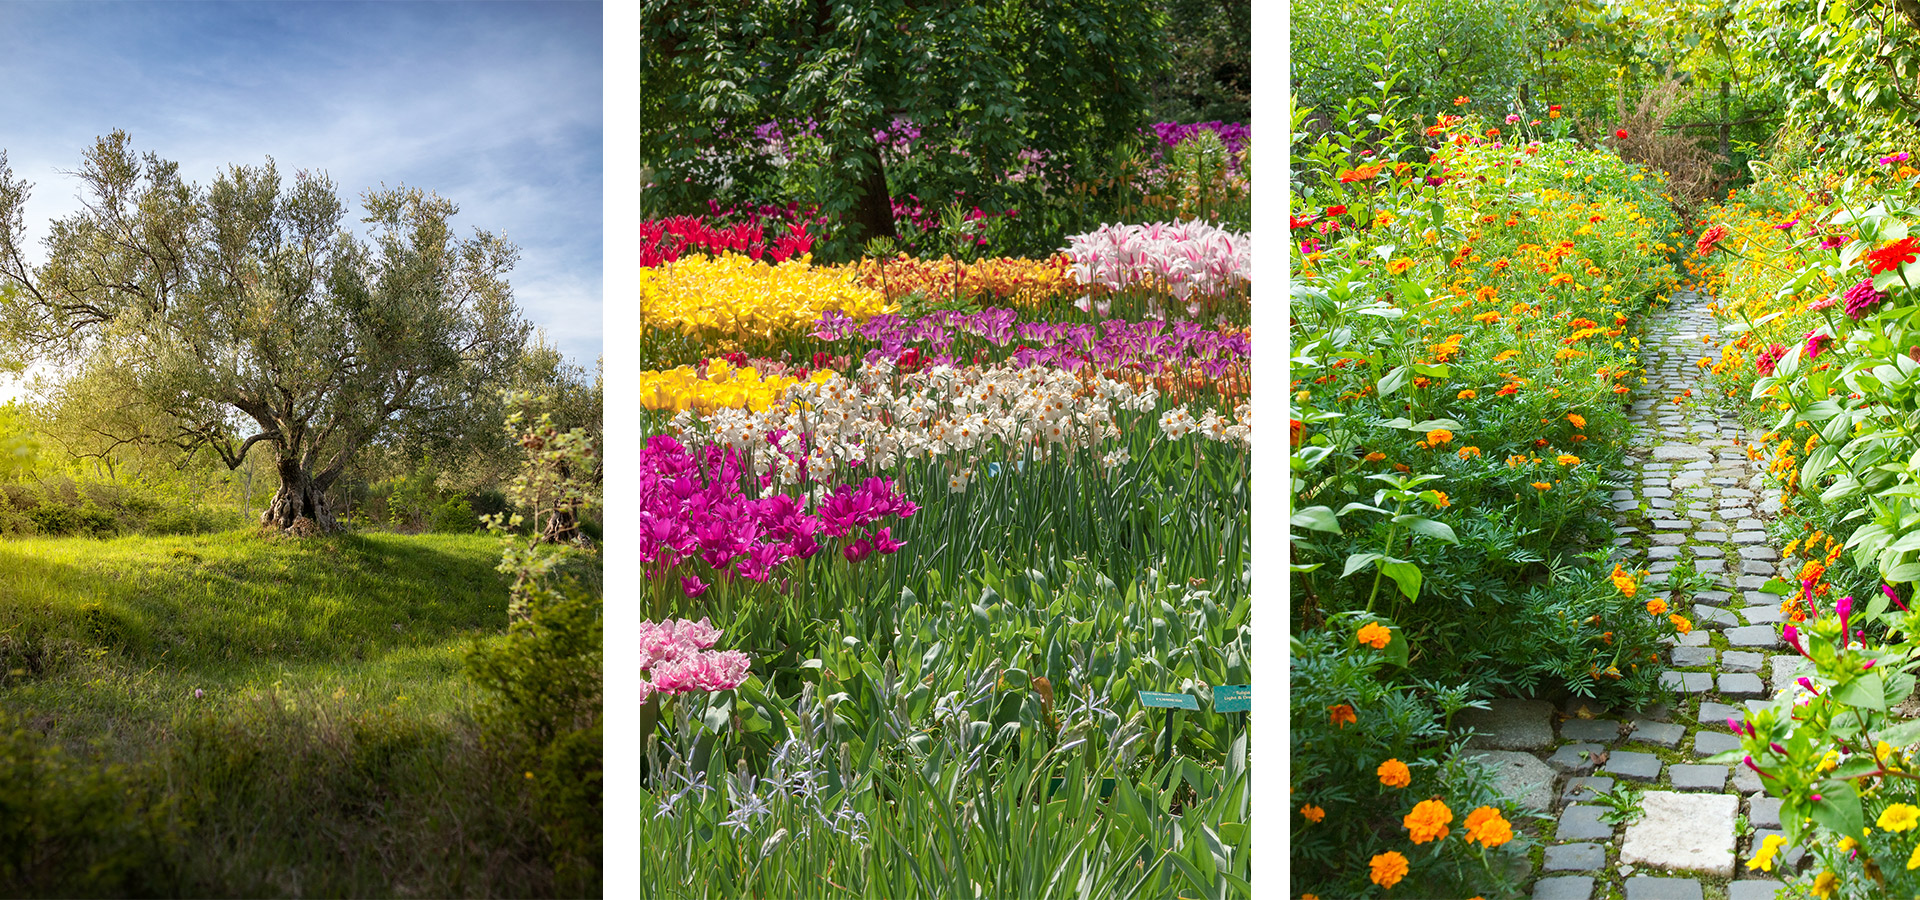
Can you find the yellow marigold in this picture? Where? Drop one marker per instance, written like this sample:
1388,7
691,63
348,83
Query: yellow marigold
1505,355
1824,883
1376,456
1312,813
1541,485
1394,774
1441,500
1567,459
1487,826
1389,868
1899,817
1578,420
1763,857
1374,635
1439,436
1469,451
1913,861
1428,821
1657,606
1399,266
1468,394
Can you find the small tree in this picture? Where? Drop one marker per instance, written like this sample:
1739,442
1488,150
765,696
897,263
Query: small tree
246,307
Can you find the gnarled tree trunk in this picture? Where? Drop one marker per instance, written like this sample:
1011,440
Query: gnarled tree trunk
301,497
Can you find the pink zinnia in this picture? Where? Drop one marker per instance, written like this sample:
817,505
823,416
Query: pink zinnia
1769,358
1817,342
1862,297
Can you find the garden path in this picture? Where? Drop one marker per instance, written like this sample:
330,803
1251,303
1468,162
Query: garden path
1695,502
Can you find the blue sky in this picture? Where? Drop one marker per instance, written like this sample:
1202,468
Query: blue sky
495,106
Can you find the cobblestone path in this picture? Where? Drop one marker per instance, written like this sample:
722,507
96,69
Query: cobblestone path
1695,500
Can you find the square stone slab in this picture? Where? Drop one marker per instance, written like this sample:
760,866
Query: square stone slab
1575,858
1754,636
1683,832
1743,686
1662,734
1698,778
1576,759
1584,788
1763,812
1745,780
1564,887
1707,743
1633,766
1715,715
1715,617
1642,887
1510,725
1582,823
1604,731
1763,615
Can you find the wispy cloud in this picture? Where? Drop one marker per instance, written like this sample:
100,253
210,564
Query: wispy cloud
496,106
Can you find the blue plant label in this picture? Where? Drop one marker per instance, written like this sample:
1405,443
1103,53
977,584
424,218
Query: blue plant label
1168,701
1232,698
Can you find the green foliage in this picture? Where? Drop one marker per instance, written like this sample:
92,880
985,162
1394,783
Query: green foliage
1334,768
454,517
1210,69
982,82
1846,70
1429,51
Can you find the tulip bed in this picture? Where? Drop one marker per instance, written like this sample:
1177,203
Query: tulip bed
1463,318
1816,270
916,534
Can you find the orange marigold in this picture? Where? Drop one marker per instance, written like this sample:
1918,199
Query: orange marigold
1439,436
1428,821
1680,623
1313,813
1578,420
1469,451
1487,826
1624,581
1389,868
1374,635
1394,773
1342,715
1657,606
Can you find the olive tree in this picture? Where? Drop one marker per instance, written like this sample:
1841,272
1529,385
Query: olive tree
247,316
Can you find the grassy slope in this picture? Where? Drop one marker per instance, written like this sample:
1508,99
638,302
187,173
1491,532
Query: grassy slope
113,637
332,752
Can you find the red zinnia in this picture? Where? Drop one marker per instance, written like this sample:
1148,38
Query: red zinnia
1339,210
1713,236
1893,255
1621,134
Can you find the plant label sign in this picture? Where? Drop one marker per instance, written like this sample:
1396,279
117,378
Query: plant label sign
1168,701
1232,698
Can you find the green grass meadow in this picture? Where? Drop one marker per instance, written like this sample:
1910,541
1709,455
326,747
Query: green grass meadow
238,715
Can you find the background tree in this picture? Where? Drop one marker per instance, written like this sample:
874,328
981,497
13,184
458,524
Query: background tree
245,307
981,81
1209,76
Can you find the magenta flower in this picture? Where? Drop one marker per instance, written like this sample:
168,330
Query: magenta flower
1791,635
1844,608
693,586
1888,590
1769,358
1861,298
1816,342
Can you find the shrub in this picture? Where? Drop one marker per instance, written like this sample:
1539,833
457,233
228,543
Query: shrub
454,517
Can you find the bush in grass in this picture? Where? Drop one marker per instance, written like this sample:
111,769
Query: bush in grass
75,829
1368,746
454,516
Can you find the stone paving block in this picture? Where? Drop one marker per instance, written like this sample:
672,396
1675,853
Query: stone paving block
1669,539
1743,686
1510,725
1749,537
1756,567
1604,731
1625,505
1754,636
1763,811
1564,887
1521,775
1643,887
1749,582
1584,857
1582,823
1680,453
1763,615
1759,553
1717,598
1705,552
1693,657
1749,524
1633,766
1662,567
1663,554
1690,832
1697,778
1672,524
1660,734
1690,639
1715,715
1710,536
1574,759
1746,780
1687,682
1708,743
1584,788
1785,668
1741,661
1710,566
1714,617
1753,889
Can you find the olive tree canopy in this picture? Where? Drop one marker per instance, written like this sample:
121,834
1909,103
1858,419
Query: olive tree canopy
248,316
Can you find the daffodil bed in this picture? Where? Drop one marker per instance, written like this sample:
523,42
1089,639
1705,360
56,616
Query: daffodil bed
1815,272
953,518
1463,346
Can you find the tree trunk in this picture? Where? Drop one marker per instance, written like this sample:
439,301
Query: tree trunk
875,210
301,505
